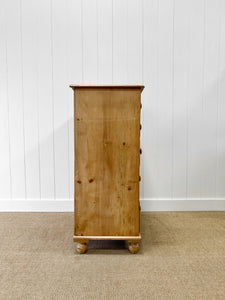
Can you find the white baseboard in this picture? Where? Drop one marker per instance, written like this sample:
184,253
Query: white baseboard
37,205
66,205
190,204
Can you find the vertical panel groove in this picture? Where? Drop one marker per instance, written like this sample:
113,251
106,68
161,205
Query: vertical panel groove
217,103
82,38
142,186
38,133
203,56
127,8
38,115
8,117
22,89
187,96
157,88
68,98
112,44
172,142
52,86
97,37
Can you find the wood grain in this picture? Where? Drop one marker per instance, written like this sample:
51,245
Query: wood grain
107,151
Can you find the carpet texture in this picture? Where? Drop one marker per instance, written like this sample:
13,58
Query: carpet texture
182,256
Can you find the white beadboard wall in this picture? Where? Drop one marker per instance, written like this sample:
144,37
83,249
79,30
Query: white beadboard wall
176,48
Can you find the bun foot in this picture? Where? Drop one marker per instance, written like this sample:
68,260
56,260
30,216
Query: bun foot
81,248
133,247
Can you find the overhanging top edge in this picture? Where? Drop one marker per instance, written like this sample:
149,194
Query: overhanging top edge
141,87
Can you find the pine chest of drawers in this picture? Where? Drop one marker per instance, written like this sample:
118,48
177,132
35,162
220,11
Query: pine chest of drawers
107,157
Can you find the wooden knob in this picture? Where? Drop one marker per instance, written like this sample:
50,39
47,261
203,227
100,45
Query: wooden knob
140,151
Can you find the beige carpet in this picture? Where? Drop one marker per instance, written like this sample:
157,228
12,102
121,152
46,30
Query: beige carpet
182,257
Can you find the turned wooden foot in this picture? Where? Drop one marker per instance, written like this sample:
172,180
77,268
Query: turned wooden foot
133,247
81,247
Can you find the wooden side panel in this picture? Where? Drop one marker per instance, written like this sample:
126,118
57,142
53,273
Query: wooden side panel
107,134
